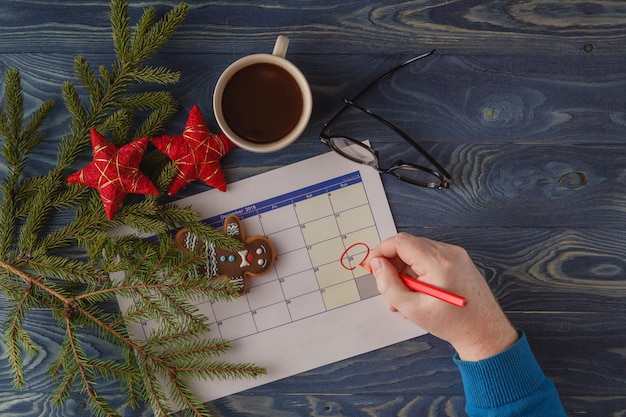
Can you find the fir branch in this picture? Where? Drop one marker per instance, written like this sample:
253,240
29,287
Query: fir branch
65,384
155,393
79,112
88,78
41,204
8,221
65,269
151,36
155,75
221,371
145,22
198,351
18,143
85,372
209,234
116,81
144,222
89,227
184,397
155,122
148,100
35,272
118,124
14,108
120,24
17,339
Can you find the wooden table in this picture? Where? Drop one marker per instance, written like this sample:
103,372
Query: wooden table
524,103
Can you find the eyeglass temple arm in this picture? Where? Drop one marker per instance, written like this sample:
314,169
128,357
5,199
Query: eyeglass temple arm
367,87
404,136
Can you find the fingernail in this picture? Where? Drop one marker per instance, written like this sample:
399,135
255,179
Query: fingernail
376,265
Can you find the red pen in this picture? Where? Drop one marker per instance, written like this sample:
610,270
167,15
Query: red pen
421,286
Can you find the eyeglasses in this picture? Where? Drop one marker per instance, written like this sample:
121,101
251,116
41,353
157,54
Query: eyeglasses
361,152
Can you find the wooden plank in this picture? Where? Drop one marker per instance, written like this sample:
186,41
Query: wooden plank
552,186
448,98
549,270
554,174
445,98
544,27
355,405
563,344
515,186
582,353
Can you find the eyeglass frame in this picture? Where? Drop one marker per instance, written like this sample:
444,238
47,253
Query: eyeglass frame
442,174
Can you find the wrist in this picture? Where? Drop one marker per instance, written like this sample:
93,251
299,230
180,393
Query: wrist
487,343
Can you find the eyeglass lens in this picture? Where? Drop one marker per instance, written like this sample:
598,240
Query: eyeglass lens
360,152
416,175
354,150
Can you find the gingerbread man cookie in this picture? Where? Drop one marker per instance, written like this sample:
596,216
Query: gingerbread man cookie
256,258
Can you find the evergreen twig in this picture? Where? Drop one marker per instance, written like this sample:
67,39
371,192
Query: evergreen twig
35,270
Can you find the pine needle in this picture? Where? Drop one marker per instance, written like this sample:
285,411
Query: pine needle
66,268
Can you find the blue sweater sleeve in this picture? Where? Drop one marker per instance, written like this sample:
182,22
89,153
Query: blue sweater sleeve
509,384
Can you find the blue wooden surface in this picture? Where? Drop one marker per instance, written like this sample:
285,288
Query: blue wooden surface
524,103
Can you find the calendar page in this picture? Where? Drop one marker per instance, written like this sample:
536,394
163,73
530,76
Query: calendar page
308,310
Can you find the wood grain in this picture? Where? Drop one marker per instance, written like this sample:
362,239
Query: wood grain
447,98
423,389
524,102
493,27
416,375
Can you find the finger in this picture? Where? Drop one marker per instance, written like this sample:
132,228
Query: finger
389,283
420,254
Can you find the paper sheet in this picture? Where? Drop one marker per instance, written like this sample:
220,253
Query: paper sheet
308,311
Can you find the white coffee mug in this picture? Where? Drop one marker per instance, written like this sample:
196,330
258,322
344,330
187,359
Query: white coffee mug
263,102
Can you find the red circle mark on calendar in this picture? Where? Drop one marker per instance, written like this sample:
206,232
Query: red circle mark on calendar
345,255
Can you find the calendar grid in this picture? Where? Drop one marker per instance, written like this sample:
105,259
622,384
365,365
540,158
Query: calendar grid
310,228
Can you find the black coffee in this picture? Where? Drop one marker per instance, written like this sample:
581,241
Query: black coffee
262,103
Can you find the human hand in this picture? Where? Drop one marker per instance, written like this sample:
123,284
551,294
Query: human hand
477,331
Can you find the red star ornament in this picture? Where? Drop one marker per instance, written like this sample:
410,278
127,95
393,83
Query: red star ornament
114,172
196,153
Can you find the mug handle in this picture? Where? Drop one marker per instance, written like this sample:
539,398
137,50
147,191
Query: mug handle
280,47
